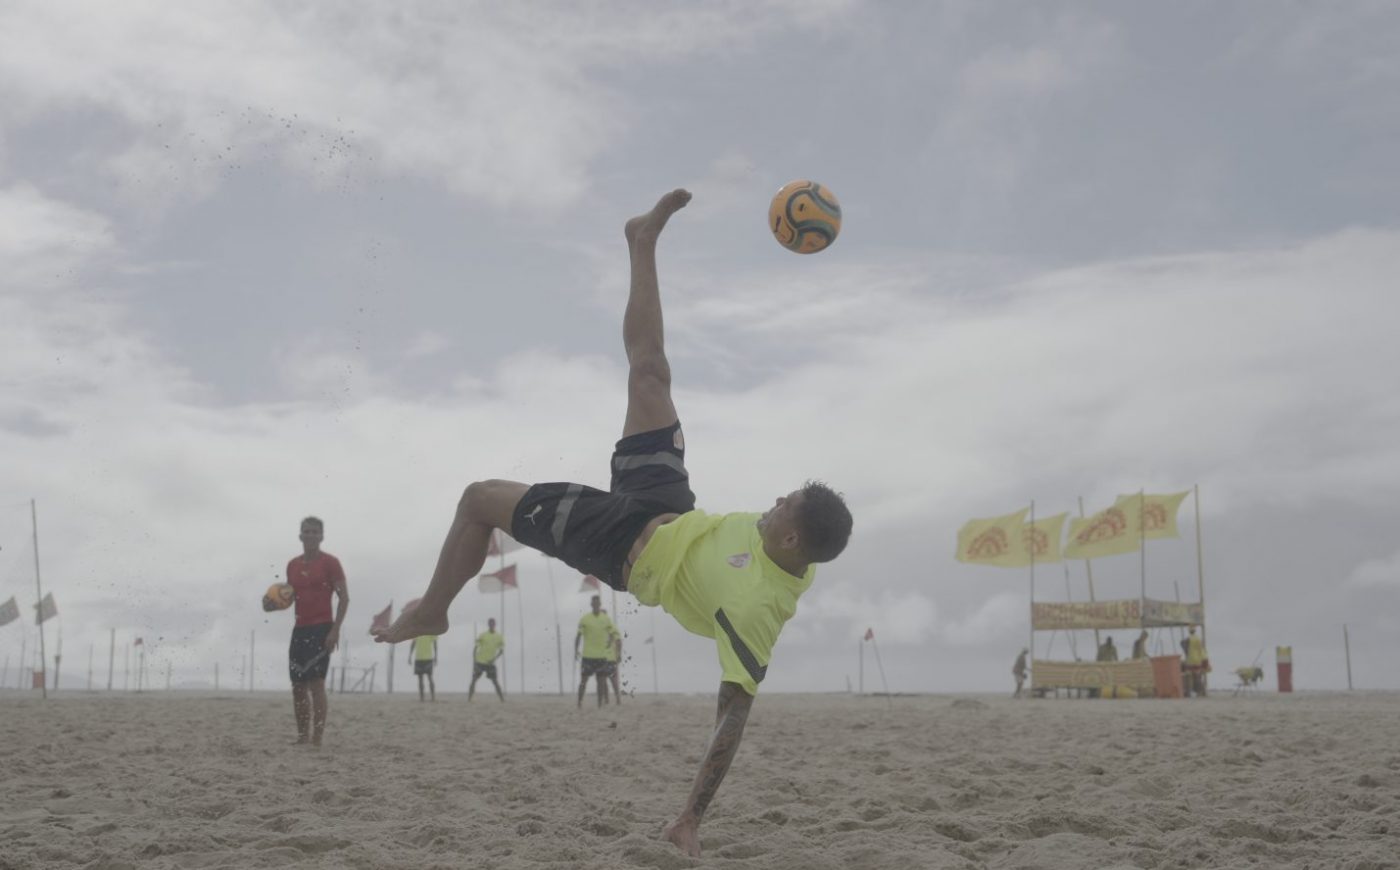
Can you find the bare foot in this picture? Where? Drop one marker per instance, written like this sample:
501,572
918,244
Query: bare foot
413,622
647,227
685,834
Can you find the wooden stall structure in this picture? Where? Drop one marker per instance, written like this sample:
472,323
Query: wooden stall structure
1158,677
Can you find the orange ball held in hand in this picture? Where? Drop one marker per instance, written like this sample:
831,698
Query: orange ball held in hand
279,596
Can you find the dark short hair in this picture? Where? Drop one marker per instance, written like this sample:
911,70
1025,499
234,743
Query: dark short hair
823,522
315,521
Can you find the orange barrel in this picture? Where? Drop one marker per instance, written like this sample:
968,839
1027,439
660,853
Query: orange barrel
1166,676
1285,668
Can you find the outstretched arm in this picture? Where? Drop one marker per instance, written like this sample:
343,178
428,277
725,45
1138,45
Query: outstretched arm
730,718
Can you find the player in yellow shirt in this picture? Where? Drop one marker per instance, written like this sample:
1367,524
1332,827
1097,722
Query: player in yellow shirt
732,577
597,632
489,647
423,654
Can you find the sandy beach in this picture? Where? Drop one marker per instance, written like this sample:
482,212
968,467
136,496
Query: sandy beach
211,781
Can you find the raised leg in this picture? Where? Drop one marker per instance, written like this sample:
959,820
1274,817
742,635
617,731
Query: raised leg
649,404
486,505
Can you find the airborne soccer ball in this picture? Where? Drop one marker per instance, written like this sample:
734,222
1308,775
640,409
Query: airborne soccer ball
279,596
804,217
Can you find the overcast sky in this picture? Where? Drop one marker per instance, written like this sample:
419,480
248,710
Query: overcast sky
258,263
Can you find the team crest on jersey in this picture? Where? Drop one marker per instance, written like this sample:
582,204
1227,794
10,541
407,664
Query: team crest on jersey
678,439
739,560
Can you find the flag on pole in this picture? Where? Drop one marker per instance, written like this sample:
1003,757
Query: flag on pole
870,634
380,621
1109,532
590,584
46,610
993,541
500,543
498,581
1158,512
9,611
1041,540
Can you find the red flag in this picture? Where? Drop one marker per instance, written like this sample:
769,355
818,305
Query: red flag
139,642
870,634
590,584
381,619
500,543
498,581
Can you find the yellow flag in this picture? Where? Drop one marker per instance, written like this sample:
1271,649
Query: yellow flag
1106,533
1042,538
993,541
1158,512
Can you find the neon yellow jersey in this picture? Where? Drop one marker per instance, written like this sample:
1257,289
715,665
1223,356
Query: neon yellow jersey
488,643
1195,651
598,631
710,572
423,648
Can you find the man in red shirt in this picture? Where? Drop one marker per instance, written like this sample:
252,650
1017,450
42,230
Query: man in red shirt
314,575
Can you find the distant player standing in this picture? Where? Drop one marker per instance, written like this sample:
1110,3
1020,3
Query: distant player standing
489,647
597,632
315,575
423,655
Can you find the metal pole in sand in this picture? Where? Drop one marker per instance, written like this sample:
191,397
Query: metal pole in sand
34,524
1200,564
111,658
876,645
1030,628
558,632
1089,570
1346,642
520,620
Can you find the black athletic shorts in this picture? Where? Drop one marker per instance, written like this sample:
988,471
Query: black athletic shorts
592,530
422,667
489,670
307,657
597,666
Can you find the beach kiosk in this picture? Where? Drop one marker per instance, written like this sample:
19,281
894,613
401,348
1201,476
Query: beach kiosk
1158,676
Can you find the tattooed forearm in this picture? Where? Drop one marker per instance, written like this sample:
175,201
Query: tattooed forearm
733,713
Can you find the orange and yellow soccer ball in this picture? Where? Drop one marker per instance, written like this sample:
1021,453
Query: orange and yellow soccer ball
804,217
279,596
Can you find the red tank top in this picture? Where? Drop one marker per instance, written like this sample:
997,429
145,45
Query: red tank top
314,579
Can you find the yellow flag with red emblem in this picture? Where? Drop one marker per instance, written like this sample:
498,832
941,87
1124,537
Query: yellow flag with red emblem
1109,532
993,541
1158,512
